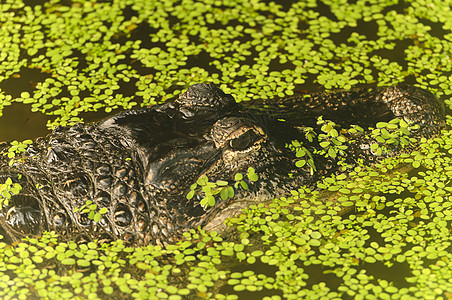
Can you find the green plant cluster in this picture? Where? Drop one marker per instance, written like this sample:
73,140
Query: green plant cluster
395,242
330,140
387,138
17,148
208,190
396,132
402,223
104,56
303,153
91,209
8,187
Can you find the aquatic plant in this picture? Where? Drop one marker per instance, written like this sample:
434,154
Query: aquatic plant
395,242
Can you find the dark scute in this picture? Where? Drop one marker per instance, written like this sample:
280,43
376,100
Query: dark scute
105,238
121,173
59,155
82,238
142,224
84,219
120,189
104,182
136,200
32,150
128,238
103,169
59,219
25,216
122,216
103,199
84,137
77,184
87,163
75,130
90,145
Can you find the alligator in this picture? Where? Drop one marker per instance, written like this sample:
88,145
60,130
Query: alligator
140,164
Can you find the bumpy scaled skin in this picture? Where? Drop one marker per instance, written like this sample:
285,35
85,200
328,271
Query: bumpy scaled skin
141,163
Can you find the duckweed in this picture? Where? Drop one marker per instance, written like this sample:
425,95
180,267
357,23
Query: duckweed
374,232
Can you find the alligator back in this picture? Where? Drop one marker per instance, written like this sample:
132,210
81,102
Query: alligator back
61,172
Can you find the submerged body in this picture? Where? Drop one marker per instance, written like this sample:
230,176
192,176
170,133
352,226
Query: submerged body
140,164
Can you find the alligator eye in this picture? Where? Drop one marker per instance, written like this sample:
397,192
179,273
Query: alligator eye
244,141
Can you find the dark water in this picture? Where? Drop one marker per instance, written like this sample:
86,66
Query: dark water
19,123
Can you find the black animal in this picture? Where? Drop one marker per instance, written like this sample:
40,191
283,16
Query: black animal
140,164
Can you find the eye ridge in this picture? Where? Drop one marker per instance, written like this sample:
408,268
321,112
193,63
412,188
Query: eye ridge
244,141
